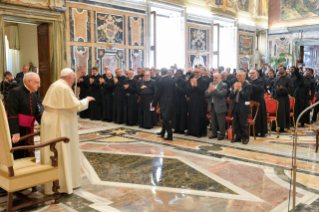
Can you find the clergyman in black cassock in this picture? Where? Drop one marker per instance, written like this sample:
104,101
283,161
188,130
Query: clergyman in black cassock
147,118
165,95
107,97
257,95
84,83
304,93
95,92
179,120
197,107
23,104
282,88
119,93
240,96
130,100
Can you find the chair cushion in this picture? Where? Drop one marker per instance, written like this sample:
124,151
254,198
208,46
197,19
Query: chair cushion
249,120
271,117
208,116
228,118
25,166
291,114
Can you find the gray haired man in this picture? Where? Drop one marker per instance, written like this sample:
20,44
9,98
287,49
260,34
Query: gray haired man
217,92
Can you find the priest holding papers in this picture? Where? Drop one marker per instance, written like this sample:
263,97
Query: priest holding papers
59,119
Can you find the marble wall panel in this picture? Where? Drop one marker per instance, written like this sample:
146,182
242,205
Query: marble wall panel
245,62
198,39
136,59
80,25
114,58
135,31
81,58
110,28
197,59
282,45
246,44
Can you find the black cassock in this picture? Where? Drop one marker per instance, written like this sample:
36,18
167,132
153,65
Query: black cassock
257,95
119,93
21,101
107,99
304,85
146,117
95,91
130,102
197,108
179,120
283,114
269,84
84,92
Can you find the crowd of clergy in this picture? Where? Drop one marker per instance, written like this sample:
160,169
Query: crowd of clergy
125,98
180,100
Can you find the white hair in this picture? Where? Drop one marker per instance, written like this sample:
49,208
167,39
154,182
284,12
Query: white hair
243,72
28,76
224,72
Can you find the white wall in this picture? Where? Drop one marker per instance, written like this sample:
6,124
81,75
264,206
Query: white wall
28,45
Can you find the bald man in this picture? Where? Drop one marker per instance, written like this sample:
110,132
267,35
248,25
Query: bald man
23,107
24,71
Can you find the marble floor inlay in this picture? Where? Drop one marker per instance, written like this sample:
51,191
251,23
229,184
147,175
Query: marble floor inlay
154,171
130,169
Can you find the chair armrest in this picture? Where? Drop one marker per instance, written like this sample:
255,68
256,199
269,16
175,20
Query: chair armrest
54,141
52,144
29,135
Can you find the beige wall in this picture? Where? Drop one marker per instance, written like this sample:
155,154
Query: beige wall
28,45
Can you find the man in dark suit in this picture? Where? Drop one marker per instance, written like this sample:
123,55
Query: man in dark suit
84,83
241,107
223,77
217,92
24,71
165,94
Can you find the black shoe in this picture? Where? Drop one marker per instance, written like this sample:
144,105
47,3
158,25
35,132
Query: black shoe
212,136
221,138
236,140
245,141
160,134
168,139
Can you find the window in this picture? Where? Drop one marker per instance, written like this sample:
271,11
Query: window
12,58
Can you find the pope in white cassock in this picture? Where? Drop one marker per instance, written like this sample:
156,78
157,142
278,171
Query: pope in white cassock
59,119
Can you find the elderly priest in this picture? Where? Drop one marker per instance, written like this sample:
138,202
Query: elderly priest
59,119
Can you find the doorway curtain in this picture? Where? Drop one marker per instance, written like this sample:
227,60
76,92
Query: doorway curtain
3,64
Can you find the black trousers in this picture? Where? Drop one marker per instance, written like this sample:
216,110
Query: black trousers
217,122
167,127
240,123
315,112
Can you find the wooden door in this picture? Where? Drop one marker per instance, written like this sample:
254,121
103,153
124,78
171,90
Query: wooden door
44,58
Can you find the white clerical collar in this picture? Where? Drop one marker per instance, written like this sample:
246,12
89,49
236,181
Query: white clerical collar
86,75
27,88
95,74
147,80
131,78
164,76
110,77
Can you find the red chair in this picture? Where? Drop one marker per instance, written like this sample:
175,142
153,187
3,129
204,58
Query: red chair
292,109
272,108
250,120
267,96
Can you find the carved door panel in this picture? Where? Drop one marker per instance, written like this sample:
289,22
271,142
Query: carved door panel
44,58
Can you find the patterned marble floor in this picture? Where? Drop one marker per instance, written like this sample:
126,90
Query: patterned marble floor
131,169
